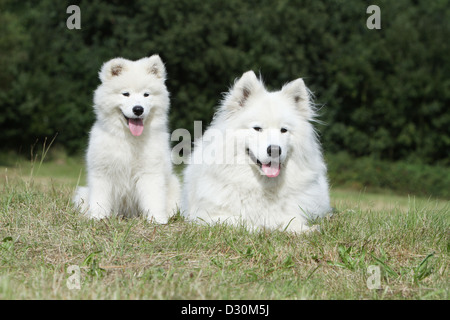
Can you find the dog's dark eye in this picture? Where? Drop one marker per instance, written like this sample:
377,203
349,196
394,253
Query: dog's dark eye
259,129
283,130
146,94
126,94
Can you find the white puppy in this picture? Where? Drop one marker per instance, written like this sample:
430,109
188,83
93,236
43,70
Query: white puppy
259,163
129,170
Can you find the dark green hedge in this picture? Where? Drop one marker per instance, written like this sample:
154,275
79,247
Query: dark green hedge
384,93
400,177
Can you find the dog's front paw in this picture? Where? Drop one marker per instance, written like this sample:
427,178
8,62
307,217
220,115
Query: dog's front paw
158,220
304,229
93,215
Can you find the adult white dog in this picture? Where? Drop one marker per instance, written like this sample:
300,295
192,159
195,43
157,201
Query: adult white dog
259,164
129,171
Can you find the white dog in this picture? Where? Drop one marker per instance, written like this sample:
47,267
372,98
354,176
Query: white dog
259,164
129,171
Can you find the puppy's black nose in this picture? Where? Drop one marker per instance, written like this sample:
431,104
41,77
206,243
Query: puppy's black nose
138,110
276,150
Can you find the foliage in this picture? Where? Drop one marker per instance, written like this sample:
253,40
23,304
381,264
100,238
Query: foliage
401,177
42,236
385,93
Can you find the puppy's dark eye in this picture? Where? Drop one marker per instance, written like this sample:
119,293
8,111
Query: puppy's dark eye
126,94
146,95
259,129
283,130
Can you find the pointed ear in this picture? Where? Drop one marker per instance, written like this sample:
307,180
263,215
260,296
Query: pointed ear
112,68
297,90
300,95
246,86
156,67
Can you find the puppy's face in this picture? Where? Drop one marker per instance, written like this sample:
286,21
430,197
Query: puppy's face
267,128
129,92
266,121
135,107
268,147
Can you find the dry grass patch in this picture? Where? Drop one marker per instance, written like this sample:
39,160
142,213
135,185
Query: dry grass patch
41,235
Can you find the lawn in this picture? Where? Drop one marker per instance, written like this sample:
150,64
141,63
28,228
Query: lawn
42,238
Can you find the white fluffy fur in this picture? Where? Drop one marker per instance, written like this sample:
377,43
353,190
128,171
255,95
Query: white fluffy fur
223,183
130,175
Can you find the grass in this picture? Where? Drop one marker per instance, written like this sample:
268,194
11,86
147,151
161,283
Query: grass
42,236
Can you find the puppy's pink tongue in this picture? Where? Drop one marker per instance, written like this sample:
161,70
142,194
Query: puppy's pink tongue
136,126
271,170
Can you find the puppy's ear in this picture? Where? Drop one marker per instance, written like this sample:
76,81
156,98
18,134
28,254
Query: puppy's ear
112,68
300,95
155,67
244,88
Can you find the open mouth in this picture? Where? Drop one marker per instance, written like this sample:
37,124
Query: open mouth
271,169
136,125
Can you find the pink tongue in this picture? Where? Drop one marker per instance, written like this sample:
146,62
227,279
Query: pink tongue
271,170
136,126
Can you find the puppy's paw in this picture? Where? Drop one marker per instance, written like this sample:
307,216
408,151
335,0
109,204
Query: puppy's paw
159,219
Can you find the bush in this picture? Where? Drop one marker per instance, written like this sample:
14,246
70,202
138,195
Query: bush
385,92
400,177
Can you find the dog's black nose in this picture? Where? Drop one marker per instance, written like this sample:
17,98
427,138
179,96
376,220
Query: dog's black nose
138,110
276,150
